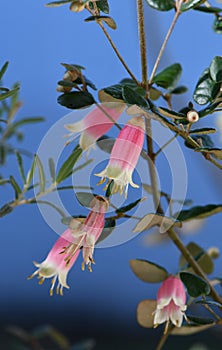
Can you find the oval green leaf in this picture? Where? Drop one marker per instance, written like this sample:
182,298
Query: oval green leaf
145,313
216,69
161,5
196,286
148,271
76,99
199,212
168,77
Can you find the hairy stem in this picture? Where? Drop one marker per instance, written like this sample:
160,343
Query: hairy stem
142,40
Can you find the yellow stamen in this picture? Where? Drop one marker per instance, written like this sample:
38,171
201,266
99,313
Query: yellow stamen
42,279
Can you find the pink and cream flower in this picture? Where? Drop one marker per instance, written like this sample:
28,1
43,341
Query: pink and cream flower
171,303
96,123
64,253
124,156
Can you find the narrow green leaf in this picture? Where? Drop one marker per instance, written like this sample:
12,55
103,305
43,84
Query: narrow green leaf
129,206
148,271
115,91
195,285
3,69
68,165
205,140
107,19
131,97
105,143
179,90
76,99
209,9
8,94
215,152
30,174
13,127
161,5
199,212
190,329
20,165
88,82
171,114
209,109
60,211
73,66
203,131
52,169
41,172
85,198
216,69
15,185
191,4
206,89
4,181
168,77
5,210
58,3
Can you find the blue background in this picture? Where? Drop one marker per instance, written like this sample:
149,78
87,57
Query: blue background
35,40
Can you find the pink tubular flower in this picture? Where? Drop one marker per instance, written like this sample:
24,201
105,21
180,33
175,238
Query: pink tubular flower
96,123
124,156
55,266
89,233
171,303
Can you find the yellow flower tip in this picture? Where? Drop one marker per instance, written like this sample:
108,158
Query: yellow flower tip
30,277
89,267
51,292
83,266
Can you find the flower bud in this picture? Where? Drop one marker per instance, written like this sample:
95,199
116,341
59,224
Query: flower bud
76,6
61,88
192,116
71,75
213,252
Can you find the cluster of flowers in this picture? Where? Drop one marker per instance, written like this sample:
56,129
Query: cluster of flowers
83,233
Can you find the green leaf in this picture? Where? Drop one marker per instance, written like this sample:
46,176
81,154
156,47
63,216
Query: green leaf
215,152
115,91
88,82
190,5
200,320
109,190
41,173
208,9
205,139
109,226
68,165
52,169
85,198
20,165
217,25
3,69
203,131
196,286
129,206
145,313
168,77
150,220
199,212
171,114
179,90
107,19
5,210
76,99
73,66
58,3
206,89
30,174
147,271
60,211
15,185
131,97
209,109
4,181
202,257
161,5
105,143
216,69
8,94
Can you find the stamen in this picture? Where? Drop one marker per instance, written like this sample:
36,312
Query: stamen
101,181
83,266
53,285
166,327
33,275
89,267
42,279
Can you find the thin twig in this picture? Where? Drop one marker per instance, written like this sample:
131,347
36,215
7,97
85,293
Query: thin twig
142,39
176,16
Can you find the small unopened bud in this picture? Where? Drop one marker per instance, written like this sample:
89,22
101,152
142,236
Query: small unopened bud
213,252
192,116
71,75
76,6
61,88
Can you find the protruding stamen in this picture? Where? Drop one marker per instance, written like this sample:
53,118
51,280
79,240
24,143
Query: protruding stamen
83,266
53,285
42,279
33,275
